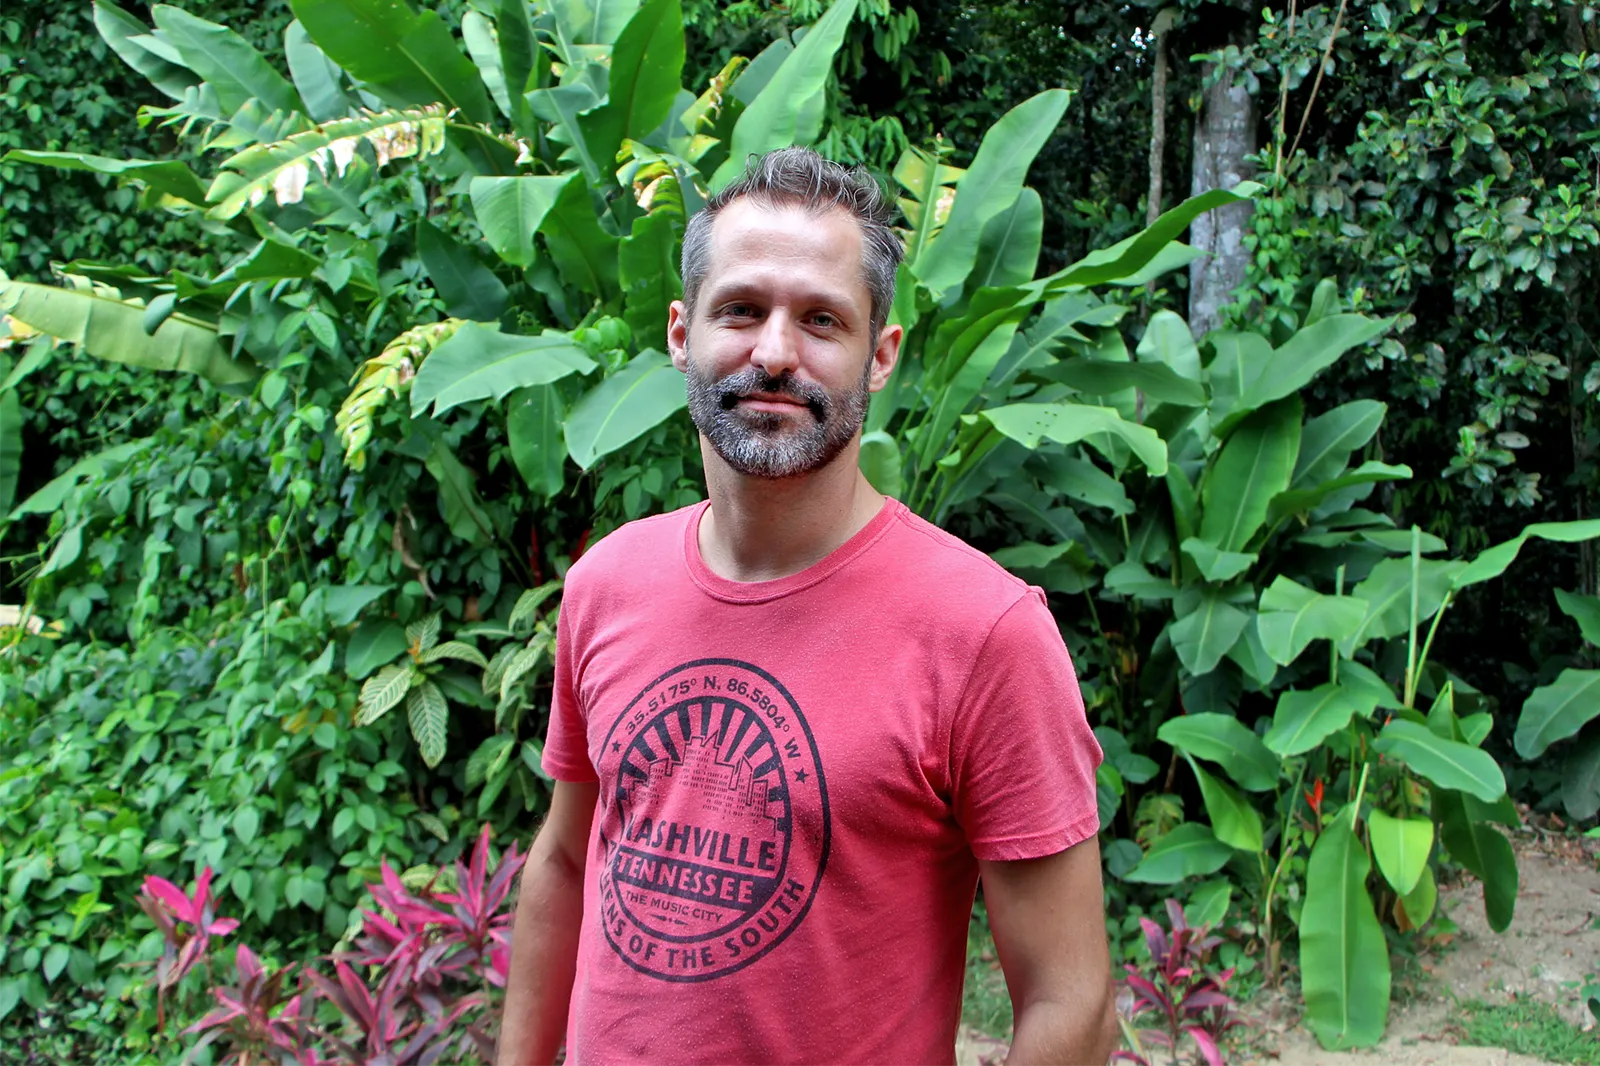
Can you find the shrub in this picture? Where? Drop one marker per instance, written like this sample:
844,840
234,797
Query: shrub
421,966
1186,997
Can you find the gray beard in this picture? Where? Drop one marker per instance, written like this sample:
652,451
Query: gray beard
768,445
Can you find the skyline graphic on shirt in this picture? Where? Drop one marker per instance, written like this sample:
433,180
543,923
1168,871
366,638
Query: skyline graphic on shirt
708,861
725,787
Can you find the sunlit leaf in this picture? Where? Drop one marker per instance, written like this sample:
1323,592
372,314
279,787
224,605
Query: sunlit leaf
1305,719
1189,850
405,56
785,111
479,362
1255,465
1069,423
1447,763
989,187
1401,846
226,61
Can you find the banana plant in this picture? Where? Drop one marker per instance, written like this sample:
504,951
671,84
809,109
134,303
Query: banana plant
570,154
1281,633
969,377
468,235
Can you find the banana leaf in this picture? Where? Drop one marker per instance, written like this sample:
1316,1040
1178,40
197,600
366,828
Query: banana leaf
646,73
169,176
407,58
113,330
990,186
632,401
1344,960
788,110
227,62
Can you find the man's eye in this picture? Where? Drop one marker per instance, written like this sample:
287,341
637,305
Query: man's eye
824,320
739,310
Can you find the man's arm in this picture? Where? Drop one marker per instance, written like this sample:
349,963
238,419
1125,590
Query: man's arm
1048,917
544,939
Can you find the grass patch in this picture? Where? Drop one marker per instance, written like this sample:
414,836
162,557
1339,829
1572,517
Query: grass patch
1528,1027
985,1004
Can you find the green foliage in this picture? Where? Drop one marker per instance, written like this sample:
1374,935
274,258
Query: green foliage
1226,554
308,537
248,566
103,325
1453,181
168,757
1344,962
64,89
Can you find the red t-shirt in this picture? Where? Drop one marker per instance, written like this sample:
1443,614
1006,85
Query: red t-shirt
797,778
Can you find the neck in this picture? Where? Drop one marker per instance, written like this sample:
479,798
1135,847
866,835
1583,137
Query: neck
759,529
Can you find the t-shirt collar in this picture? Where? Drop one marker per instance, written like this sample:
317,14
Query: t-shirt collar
722,588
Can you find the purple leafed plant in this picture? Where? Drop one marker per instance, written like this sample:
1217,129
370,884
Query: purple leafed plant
187,924
1184,995
397,1024
423,964
245,1017
458,934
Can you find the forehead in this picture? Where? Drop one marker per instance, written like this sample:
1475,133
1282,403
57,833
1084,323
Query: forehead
756,244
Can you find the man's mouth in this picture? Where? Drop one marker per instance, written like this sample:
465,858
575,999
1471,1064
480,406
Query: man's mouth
771,401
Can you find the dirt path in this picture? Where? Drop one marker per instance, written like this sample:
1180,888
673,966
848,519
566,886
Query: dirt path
1544,955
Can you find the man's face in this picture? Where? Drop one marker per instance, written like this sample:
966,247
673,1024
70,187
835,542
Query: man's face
779,358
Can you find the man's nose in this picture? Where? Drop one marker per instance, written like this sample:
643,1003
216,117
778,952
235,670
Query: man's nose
777,348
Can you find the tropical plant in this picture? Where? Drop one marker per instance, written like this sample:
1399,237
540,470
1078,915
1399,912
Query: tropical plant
500,226
1225,535
123,764
171,908
426,709
420,965
965,290
236,544
1186,996
565,144
1223,575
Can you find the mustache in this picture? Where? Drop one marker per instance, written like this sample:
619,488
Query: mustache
751,380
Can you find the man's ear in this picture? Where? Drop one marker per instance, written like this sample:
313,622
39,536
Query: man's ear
885,356
678,334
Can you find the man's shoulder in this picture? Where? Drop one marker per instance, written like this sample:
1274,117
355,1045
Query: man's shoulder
946,570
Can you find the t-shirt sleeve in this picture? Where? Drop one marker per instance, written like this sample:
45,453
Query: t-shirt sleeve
1022,755
566,744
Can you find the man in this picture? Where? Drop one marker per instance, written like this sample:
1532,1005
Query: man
792,726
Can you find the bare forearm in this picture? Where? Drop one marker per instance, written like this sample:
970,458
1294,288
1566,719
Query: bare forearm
1081,1033
544,954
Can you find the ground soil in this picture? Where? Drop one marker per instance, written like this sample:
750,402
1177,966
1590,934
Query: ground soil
1553,942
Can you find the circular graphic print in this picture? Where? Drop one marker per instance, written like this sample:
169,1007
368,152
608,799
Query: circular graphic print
716,829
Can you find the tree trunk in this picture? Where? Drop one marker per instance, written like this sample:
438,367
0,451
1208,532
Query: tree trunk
1223,136
1158,130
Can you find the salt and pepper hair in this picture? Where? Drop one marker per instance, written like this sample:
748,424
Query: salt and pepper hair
799,177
